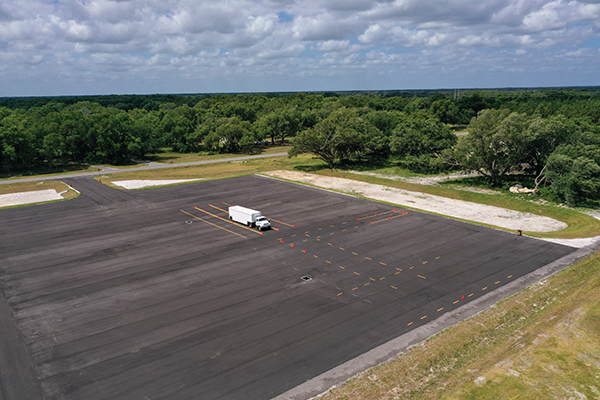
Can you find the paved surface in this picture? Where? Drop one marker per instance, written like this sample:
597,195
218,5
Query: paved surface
108,170
136,295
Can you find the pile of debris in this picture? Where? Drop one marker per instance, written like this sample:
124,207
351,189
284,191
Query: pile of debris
520,189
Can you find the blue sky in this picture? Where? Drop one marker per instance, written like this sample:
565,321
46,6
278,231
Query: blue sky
173,46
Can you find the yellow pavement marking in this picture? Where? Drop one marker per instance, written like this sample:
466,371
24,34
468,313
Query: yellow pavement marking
319,229
356,273
497,283
484,288
395,287
382,278
344,230
227,220
355,227
388,218
342,267
329,244
398,272
368,258
508,277
294,235
344,223
513,398
210,223
218,208
318,240
456,301
440,309
372,279
331,233
315,256
409,324
367,284
424,262
382,263
339,294
411,267
341,248
354,288
278,221
355,253
471,295
399,269
305,240
328,262
307,235
437,257
421,276
424,316
332,226
227,204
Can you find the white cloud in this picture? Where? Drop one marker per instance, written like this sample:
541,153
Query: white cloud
315,42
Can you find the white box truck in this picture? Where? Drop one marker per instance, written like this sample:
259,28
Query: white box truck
248,217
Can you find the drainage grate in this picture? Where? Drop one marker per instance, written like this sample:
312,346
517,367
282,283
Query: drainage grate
306,278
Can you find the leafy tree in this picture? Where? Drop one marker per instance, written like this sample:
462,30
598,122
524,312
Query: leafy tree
496,143
445,110
279,124
574,170
343,135
228,134
418,140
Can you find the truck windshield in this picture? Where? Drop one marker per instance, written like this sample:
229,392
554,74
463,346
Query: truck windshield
261,219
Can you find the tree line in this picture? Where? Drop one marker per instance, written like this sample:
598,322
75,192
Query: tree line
551,135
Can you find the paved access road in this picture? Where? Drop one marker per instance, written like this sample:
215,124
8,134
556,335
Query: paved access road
148,295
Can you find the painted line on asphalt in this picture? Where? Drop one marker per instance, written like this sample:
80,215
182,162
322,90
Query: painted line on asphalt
210,223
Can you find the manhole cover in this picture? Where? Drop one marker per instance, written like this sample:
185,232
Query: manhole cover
306,278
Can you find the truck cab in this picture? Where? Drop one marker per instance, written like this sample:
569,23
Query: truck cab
262,223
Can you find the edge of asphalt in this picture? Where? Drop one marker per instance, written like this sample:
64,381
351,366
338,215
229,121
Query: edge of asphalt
320,385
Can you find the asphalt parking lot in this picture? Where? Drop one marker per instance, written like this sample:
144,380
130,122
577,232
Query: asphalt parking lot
152,294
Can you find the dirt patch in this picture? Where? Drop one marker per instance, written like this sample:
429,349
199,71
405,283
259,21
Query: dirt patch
461,209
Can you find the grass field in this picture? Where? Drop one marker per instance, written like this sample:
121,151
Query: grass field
542,343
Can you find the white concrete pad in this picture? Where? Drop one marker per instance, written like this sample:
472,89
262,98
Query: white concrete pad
140,183
38,196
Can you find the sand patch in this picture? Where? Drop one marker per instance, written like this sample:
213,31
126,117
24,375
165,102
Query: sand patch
139,183
461,209
37,196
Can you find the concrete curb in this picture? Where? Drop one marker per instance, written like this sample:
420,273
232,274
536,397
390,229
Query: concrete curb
321,384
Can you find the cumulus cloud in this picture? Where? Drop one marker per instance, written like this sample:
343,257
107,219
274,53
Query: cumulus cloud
176,41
